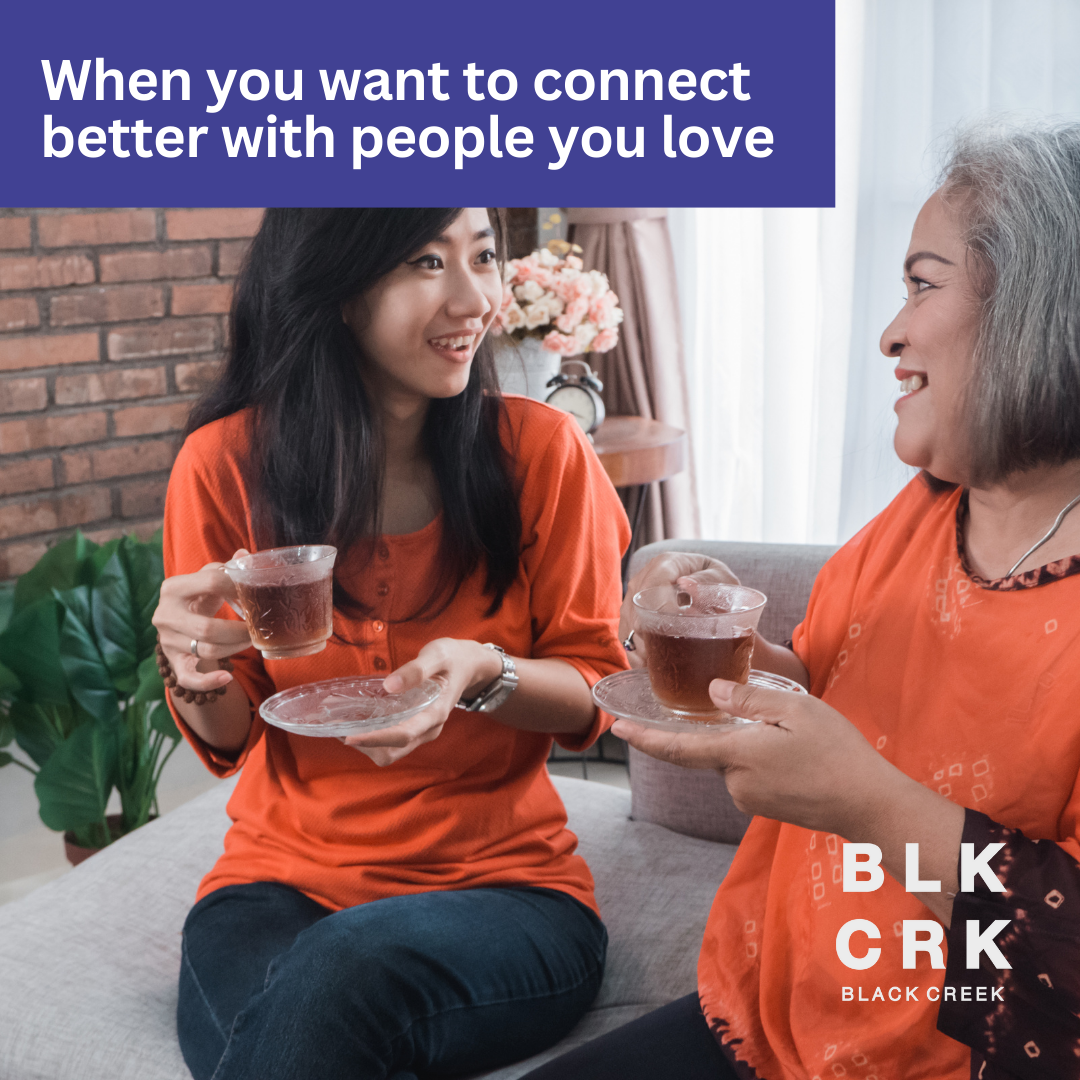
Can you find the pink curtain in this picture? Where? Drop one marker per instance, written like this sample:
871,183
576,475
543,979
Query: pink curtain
644,374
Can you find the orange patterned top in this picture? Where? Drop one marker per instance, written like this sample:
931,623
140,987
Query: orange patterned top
475,807
972,690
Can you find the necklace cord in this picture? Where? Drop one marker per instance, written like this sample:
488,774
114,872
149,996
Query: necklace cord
1039,543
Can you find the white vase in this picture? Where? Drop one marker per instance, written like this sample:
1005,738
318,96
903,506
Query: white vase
524,367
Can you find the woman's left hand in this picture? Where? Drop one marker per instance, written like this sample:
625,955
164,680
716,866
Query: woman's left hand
462,668
804,763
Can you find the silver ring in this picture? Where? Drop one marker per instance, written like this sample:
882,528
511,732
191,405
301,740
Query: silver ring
628,644
194,647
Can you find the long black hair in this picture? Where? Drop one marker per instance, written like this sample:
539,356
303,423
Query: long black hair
315,473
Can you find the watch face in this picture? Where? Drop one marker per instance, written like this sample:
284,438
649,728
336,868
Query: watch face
578,402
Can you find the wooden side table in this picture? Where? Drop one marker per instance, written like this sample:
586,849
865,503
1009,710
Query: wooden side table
636,452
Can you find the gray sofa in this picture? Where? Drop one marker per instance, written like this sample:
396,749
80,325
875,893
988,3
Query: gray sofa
89,962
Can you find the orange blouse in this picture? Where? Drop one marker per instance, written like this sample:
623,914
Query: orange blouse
970,690
475,807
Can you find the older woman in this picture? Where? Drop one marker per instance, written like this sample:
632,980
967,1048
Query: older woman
940,649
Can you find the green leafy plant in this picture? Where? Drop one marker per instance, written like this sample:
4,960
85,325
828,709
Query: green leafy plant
80,691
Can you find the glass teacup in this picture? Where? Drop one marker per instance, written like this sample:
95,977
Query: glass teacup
694,636
286,596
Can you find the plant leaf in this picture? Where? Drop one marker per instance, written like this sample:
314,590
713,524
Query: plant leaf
7,603
9,682
146,572
151,687
61,567
87,674
100,557
162,720
73,785
40,729
151,694
114,623
5,758
30,647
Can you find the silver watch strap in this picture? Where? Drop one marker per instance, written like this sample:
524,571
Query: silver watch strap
498,690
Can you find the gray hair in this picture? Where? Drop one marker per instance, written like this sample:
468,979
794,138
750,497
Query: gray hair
1018,194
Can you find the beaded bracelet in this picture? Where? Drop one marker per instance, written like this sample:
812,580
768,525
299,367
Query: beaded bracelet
168,676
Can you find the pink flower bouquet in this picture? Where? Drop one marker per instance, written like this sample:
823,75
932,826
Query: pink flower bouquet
548,295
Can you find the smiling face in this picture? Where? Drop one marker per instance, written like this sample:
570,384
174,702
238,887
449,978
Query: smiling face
418,327
933,339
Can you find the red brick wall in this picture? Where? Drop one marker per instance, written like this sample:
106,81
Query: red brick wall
111,322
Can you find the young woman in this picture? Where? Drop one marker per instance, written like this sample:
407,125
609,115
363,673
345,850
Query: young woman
406,901
940,647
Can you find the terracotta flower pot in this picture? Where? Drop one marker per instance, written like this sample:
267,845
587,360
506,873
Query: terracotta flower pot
76,853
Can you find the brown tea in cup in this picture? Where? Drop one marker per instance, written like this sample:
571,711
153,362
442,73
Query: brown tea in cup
694,637
286,620
286,598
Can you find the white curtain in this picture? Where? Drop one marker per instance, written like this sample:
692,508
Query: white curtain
783,309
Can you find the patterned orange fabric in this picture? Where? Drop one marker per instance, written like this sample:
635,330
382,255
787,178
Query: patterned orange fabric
475,807
972,691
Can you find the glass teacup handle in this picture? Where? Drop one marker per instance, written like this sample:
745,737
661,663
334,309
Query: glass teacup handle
232,603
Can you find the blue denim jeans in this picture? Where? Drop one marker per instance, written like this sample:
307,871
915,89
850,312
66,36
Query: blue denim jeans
273,985
671,1042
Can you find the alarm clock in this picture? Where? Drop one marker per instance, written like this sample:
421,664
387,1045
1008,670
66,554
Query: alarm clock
579,395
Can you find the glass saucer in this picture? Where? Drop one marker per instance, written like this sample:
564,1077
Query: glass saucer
337,707
628,694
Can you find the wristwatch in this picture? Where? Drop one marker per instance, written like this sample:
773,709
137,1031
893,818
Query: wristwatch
496,691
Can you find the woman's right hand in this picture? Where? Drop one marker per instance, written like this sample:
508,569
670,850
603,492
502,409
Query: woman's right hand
669,568
185,613
682,568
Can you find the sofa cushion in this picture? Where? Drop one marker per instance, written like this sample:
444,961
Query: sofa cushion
697,803
89,962
693,802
